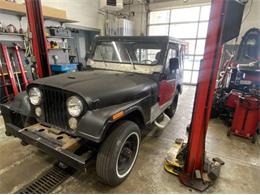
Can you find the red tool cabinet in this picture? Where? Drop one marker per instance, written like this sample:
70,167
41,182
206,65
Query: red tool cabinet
246,117
233,97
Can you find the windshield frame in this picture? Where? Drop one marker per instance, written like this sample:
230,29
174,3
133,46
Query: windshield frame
161,60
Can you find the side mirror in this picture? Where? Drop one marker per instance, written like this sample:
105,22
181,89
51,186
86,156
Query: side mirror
174,64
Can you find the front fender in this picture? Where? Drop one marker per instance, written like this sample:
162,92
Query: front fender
17,112
94,123
20,104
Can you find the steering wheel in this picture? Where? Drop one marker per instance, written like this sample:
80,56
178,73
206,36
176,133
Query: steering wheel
143,61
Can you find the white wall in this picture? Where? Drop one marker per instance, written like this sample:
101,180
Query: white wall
84,11
135,12
139,17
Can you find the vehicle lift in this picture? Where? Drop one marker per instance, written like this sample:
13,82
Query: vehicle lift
188,160
39,42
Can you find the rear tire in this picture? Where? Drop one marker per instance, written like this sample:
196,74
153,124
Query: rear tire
118,153
229,133
173,107
254,138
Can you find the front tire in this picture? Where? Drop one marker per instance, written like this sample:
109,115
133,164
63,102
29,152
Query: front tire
118,153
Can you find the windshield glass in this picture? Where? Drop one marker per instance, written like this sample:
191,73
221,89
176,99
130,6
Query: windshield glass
128,52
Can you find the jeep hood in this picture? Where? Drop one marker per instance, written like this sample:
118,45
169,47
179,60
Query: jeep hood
105,87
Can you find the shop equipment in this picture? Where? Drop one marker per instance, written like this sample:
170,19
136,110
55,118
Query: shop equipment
194,169
241,73
9,69
63,68
246,117
39,42
3,82
21,66
16,74
13,72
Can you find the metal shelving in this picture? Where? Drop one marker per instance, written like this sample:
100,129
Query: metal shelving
12,34
59,37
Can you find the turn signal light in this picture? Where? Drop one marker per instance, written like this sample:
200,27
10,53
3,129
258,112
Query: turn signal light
118,115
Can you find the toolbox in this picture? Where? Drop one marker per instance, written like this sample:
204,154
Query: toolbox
246,117
232,98
63,68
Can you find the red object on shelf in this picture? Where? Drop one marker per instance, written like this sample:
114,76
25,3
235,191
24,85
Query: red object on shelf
232,98
246,117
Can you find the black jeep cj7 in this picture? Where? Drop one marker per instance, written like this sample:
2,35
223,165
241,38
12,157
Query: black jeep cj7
130,83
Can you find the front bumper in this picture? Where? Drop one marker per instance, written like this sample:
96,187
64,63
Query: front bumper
58,145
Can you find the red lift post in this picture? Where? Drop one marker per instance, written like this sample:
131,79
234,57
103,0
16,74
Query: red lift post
39,42
196,170
205,89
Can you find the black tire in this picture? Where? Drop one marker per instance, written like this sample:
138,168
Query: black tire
229,133
118,145
173,107
254,138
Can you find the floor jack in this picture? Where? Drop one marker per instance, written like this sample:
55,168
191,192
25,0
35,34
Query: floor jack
188,160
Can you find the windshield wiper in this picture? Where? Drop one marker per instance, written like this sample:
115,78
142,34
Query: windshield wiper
132,63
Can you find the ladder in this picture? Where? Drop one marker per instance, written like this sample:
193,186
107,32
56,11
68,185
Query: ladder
4,84
13,76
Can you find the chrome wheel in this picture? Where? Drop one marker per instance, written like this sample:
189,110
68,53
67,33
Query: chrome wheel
127,155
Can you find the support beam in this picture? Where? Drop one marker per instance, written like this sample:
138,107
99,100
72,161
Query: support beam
39,42
205,89
224,25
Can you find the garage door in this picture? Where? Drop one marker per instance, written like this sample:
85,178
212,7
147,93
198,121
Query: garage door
189,24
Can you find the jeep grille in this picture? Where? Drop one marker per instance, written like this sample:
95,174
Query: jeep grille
54,105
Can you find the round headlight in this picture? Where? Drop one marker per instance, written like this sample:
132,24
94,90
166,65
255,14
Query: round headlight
38,111
73,123
74,106
35,96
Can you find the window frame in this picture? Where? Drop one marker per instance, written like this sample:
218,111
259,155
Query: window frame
197,21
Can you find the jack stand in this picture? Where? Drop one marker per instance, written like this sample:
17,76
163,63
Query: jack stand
174,164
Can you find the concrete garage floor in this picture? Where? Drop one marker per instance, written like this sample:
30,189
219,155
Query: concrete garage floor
241,174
